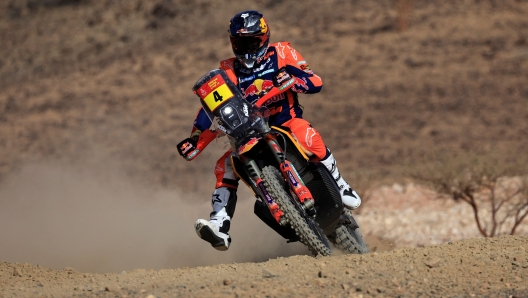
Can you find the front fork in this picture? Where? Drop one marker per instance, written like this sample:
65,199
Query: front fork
291,175
255,175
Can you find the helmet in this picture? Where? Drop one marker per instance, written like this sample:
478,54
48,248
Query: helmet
249,34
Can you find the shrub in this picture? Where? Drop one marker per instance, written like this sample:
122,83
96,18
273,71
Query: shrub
496,191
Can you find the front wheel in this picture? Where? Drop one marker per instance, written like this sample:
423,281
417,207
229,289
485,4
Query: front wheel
305,227
348,238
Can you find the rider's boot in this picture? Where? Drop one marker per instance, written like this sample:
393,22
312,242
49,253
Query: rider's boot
350,198
216,230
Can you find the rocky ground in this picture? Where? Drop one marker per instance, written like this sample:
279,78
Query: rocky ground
94,95
468,268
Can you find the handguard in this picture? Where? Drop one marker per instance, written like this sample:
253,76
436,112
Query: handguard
190,151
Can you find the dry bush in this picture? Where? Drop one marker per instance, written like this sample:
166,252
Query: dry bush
497,192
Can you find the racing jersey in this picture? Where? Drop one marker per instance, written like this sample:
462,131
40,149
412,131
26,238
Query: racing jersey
255,82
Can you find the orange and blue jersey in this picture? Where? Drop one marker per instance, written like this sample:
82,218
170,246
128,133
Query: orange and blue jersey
255,82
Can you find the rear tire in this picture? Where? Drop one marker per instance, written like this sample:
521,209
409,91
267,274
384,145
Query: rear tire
348,238
306,228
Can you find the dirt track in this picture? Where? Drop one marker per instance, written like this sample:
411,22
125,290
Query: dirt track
469,268
95,94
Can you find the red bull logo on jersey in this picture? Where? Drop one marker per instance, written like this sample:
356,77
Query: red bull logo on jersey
259,87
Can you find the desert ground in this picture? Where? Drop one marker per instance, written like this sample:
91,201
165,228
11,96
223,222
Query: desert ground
96,201
484,267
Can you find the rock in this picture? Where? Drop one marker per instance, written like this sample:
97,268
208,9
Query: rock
433,263
113,288
398,188
16,273
395,282
266,273
226,282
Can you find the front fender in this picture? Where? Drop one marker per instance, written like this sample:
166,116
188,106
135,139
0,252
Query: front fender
249,145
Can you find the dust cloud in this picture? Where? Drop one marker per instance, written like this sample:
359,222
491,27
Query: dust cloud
93,218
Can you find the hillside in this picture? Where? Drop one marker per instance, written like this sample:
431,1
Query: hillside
113,79
94,96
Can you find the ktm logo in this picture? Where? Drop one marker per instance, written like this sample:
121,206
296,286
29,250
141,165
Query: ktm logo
269,54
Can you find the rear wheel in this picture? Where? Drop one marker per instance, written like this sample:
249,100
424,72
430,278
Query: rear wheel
348,238
305,227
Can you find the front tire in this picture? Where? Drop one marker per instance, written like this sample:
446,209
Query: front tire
348,238
305,227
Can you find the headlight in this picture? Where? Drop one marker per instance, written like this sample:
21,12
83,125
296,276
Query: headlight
227,110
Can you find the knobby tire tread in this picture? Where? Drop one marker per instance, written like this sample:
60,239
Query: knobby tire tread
299,225
349,240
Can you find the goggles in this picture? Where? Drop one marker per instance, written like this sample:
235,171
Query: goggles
248,44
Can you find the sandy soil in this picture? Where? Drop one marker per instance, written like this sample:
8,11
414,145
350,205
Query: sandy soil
94,95
468,268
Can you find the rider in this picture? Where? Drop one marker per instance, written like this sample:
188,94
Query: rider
257,65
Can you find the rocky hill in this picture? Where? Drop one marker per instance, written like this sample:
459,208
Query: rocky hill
113,78
94,96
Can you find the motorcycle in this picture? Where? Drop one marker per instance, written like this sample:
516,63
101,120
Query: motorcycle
296,197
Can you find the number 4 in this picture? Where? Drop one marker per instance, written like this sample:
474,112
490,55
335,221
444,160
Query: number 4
217,96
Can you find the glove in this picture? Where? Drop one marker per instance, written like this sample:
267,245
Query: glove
188,148
282,79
